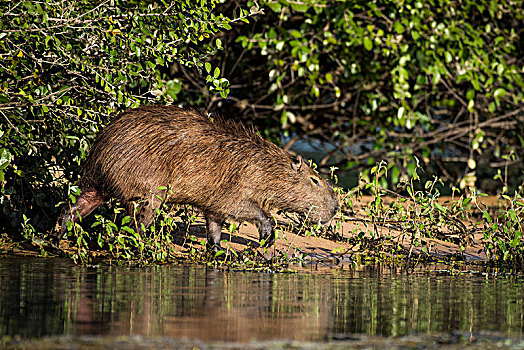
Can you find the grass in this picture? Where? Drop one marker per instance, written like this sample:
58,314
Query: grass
374,224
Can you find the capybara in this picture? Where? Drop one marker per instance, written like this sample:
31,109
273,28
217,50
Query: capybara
223,168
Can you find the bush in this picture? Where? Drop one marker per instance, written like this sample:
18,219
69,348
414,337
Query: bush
386,80
66,69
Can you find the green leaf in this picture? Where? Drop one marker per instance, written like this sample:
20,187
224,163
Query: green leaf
440,207
121,239
449,57
487,216
512,215
126,219
400,112
300,7
471,104
399,28
500,92
5,158
470,95
368,44
275,6
466,201
436,77
128,230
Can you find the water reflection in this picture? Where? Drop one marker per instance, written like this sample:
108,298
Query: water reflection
41,297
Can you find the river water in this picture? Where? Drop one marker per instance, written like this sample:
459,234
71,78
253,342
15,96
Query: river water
52,297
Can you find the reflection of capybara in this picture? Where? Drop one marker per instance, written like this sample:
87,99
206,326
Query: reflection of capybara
223,168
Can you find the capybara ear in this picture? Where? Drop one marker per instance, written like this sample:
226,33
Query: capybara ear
297,163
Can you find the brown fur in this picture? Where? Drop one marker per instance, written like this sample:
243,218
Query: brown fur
223,168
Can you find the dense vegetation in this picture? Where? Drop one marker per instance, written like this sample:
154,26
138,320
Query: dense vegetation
439,80
68,66
435,83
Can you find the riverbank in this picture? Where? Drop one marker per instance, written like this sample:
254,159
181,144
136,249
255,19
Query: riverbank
356,233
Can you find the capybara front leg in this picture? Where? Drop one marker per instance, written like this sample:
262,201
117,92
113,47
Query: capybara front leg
84,205
214,225
265,229
254,214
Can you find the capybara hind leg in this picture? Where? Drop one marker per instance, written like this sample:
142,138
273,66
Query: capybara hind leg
84,205
141,214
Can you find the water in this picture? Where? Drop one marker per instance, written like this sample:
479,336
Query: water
52,297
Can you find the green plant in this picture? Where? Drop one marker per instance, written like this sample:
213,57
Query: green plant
503,232
398,224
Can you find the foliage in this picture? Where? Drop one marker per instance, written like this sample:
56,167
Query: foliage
67,66
112,236
441,80
407,228
503,234
385,83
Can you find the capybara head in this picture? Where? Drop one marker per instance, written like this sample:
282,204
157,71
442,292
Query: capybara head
298,188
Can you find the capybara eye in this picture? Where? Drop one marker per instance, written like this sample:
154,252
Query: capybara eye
315,181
